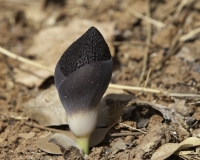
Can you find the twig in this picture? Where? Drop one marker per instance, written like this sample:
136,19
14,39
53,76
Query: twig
145,18
197,102
148,40
42,127
184,95
147,79
22,2
150,90
125,134
24,60
116,86
189,35
132,128
179,8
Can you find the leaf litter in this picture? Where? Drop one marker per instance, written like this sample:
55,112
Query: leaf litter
117,107
173,56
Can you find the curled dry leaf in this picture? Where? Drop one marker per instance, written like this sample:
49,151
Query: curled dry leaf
192,154
114,94
72,153
168,149
167,113
67,146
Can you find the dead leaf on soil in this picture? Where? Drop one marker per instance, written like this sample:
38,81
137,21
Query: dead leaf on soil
117,146
156,136
115,94
117,107
51,148
26,135
168,149
180,107
50,43
168,114
193,154
46,108
96,137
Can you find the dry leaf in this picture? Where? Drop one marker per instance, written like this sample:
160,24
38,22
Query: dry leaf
116,109
156,136
118,146
167,113
44,145
98,135
115,95
26,135
46,108
193,154
50,43
168,149
180,107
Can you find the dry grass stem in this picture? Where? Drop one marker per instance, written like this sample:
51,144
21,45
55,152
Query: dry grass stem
175,46
132,88
125,134
116,86
147,19
180,8
190,35
125,125
147,79
150,90
23,2
42,127
24,60
148,41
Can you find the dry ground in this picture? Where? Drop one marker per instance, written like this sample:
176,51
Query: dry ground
159,34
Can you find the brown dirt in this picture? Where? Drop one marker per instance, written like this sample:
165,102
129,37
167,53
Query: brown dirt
173,70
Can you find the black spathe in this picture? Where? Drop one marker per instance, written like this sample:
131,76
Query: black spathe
83,73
